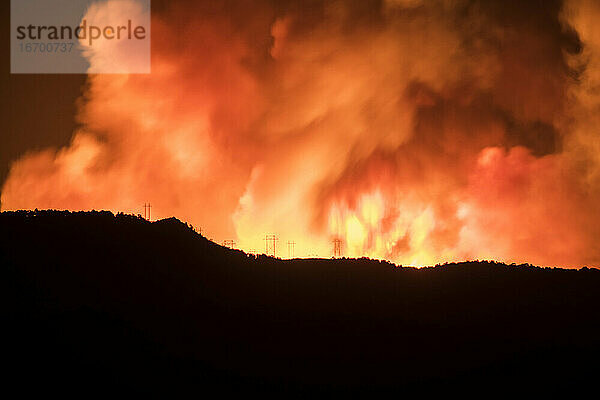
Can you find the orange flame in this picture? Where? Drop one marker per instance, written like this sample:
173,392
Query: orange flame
414,132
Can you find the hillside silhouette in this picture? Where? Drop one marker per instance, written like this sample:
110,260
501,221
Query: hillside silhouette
94,303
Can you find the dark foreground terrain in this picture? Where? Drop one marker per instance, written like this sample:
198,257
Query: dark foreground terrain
97,304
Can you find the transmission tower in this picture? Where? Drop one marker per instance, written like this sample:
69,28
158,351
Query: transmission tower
270,245
229,243
337,247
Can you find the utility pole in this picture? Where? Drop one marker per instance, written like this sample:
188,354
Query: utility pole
147,215
291,245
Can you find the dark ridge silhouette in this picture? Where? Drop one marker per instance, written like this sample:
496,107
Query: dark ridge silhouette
98,304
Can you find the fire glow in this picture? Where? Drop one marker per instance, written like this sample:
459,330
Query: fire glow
417,132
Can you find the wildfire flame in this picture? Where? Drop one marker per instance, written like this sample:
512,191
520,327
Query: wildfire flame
418,132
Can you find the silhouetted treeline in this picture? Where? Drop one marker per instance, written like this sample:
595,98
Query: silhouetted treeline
94,303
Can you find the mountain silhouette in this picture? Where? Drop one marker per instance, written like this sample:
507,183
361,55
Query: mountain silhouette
101,304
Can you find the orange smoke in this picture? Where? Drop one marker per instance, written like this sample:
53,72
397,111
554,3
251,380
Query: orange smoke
418,132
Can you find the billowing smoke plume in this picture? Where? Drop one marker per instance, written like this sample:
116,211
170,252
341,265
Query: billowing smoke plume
416,131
